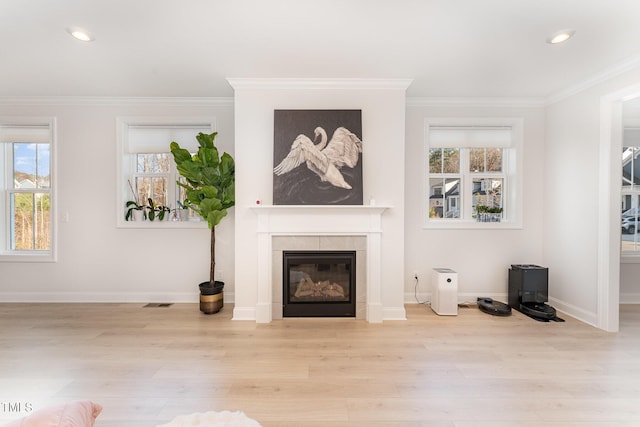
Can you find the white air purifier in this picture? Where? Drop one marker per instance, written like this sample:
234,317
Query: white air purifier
444,292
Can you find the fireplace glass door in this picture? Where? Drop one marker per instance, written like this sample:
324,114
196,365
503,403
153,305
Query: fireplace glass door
319,283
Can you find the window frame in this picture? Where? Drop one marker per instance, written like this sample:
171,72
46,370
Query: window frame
633,191
30,255
512,174
127,171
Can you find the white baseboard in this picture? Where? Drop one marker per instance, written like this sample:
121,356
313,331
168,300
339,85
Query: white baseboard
423,297
575,312
106,297
468,298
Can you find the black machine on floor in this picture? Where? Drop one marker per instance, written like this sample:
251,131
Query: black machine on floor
495,308
529,292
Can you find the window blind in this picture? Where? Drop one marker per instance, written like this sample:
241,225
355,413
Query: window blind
156,139
470,136
25,133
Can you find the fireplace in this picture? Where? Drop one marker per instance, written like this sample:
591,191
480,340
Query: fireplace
318,228
319,283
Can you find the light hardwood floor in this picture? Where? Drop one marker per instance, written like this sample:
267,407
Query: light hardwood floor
148,365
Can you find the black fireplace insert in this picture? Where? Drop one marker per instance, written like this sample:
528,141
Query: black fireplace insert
319,283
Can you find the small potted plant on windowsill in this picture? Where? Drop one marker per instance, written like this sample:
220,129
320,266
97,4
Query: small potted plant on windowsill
135,212
157,211
488,214
181,213
142,212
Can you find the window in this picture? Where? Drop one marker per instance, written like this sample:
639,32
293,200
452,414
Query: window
27,202
147,169
630,222
473,172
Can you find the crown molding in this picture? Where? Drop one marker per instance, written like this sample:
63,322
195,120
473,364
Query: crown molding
311,83
273,84
609,73
475,102
110,101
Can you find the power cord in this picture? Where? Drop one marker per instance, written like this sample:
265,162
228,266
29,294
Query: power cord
415,291
467,304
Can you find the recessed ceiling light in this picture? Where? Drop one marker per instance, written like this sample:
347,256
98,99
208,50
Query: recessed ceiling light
560,36
80,34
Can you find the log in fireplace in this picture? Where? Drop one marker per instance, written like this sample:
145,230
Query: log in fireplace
319,283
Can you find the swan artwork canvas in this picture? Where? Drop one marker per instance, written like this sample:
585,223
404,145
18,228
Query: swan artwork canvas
317,157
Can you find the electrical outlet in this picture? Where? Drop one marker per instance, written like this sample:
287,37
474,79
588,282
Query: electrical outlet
415,275
220,275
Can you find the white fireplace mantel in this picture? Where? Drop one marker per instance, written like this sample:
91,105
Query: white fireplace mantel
304,219
332,220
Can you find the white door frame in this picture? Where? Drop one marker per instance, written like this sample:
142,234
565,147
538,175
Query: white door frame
609,196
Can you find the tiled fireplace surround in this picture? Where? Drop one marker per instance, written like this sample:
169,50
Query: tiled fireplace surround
319,243
319,228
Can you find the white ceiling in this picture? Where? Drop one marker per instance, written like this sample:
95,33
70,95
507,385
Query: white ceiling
461,48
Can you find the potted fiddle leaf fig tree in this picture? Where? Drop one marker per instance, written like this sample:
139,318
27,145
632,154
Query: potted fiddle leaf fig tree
209,181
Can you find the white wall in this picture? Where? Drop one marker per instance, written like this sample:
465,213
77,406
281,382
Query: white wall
573,161
481,257
96,260
383,118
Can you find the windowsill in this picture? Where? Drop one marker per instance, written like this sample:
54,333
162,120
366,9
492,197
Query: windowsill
471,225
28,257
629,259
161,224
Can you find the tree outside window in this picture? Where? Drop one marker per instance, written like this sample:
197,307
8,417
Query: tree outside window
30,210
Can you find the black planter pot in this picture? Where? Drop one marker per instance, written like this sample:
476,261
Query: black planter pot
211,297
